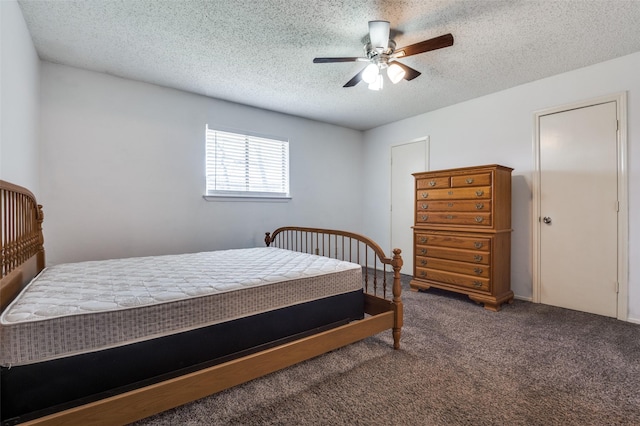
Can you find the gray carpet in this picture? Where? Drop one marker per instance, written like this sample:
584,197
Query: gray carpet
528,364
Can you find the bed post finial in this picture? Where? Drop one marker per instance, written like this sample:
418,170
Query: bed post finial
396,263
267,238
40,219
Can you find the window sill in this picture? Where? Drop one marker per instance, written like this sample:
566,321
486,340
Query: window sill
252,198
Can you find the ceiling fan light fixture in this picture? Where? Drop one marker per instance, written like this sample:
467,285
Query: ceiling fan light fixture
377,83
395,73
370,73
381,53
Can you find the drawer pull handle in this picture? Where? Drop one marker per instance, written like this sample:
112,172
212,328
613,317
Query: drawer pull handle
423,262
450,192
479,219
478,258
477,283
479,206
478,244
450,205
449,216
423,274
477,270
424,217
480,193
425,206
425,194
432,183
469,181
423,239
423,251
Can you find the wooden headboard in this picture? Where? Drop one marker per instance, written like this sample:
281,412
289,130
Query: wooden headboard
22,251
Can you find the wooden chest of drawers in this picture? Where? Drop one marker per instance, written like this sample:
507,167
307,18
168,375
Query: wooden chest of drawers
462,233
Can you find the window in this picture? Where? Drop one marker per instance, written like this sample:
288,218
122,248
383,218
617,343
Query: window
241,165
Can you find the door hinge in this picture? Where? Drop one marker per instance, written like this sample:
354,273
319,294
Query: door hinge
617,206
617,287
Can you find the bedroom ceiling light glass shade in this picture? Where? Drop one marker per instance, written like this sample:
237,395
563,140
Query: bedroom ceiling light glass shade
395,73
370,73
377,83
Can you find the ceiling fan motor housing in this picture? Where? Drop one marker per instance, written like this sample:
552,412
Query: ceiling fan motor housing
380,57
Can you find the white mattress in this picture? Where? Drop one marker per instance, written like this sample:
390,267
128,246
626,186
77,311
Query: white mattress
83,307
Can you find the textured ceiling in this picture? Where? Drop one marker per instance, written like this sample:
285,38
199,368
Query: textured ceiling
259,52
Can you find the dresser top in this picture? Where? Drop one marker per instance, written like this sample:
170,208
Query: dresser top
467,169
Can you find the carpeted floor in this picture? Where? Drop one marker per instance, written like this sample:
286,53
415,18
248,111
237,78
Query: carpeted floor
528,364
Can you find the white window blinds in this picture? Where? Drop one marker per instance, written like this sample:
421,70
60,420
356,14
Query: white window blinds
246,165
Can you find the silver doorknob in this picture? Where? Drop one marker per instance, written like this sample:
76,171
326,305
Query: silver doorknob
547,220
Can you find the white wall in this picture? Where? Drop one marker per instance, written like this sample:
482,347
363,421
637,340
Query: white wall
123,170
498,128
19,100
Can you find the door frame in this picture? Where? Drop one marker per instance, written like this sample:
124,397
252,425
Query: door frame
623,195
427,143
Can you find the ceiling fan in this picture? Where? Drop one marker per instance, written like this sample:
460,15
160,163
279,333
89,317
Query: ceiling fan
381,53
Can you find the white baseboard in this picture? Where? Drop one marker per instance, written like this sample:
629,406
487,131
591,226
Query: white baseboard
634,320
530,299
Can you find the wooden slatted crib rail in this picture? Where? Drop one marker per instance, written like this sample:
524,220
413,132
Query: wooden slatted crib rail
20,237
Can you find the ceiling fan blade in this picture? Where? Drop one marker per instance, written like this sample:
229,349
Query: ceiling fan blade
328,60
355,80
410,73
379,34
425,46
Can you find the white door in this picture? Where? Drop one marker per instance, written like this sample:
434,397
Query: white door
578,209
405,159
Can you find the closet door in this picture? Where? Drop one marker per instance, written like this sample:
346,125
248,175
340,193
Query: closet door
406,159
579,209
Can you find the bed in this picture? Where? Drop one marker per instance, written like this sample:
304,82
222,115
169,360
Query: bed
111,342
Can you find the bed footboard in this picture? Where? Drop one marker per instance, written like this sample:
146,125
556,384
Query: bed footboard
377,267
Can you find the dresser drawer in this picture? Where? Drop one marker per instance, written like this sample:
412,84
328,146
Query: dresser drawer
455,205
470,256
482,179
435,182
444,240
453,266
478,192
454,218
477,283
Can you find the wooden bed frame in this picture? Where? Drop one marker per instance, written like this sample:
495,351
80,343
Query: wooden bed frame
22,258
